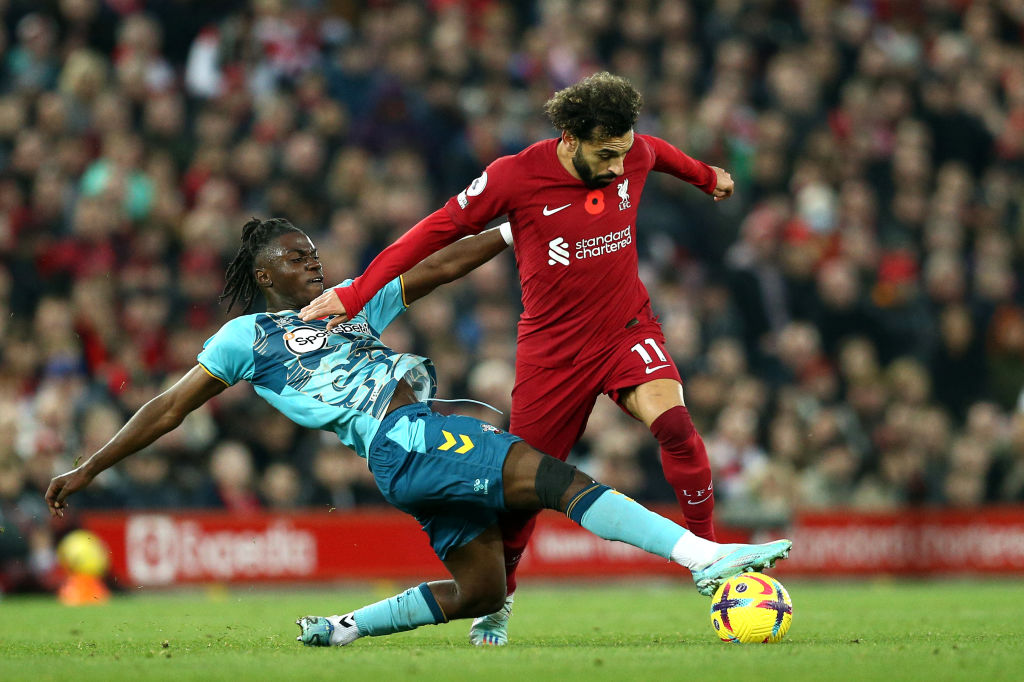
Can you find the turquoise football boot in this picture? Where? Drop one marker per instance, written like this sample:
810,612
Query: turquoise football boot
736,559
315,631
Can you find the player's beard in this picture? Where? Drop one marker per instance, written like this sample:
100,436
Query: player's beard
587,175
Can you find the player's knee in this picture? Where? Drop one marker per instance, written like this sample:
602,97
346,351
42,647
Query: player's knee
480,599
491,602
674,429
554,478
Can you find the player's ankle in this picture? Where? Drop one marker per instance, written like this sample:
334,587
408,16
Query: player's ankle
702,528
345,629
695,552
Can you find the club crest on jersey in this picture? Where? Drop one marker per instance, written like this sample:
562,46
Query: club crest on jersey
474,189
624,194
490,429
305,339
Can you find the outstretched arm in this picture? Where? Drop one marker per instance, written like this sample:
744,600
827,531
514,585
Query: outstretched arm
453,261
426,237
160,415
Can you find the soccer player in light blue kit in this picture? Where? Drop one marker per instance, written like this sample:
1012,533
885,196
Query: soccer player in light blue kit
453,473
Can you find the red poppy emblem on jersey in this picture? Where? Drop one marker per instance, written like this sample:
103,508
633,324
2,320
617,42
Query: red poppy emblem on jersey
595,202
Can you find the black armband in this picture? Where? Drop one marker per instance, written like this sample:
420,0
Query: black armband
553,478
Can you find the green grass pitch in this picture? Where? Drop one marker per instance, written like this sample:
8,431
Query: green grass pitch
956,630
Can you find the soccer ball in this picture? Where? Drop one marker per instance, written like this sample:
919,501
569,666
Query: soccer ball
83,553
751,607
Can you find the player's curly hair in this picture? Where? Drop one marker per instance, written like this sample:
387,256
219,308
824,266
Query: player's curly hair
239,280
596,108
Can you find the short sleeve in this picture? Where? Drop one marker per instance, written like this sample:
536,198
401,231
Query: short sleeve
487,197
228,354
386,305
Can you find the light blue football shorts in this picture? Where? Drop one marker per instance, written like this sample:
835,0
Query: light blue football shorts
444,470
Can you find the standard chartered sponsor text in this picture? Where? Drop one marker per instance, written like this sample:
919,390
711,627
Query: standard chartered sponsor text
608,243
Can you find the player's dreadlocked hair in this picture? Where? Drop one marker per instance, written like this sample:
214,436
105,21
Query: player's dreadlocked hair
239,281
596,108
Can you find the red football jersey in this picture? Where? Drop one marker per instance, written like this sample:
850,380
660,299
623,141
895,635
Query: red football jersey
575,246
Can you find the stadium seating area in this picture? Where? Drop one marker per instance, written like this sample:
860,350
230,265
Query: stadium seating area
850,326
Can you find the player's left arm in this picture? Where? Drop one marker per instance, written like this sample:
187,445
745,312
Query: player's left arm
710,179
454,261
157,417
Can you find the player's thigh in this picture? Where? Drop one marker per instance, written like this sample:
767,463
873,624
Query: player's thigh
642,377
551,406
650,400
534,480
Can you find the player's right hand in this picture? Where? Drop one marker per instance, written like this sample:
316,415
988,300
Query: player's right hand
62,486
325,305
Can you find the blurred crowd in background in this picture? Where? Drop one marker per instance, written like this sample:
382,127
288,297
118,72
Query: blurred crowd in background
849,326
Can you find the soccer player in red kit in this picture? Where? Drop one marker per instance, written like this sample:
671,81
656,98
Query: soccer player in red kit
587,327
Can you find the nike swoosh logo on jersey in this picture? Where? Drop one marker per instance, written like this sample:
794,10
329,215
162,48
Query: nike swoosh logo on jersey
555,210
655,369
699,501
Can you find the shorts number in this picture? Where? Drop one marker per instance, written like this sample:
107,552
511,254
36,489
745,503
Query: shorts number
645,356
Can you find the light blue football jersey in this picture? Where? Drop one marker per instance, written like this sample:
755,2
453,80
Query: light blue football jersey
340,380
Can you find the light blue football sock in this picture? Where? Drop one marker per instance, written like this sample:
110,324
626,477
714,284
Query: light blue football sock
406,611
613,516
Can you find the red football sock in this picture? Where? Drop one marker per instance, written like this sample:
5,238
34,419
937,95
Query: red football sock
516,529
684,460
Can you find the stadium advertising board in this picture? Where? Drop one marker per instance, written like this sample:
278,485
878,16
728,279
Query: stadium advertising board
167,549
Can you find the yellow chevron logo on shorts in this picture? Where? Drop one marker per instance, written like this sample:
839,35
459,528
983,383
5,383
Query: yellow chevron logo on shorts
449,441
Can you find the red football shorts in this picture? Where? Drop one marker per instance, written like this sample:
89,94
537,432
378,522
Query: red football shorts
550,406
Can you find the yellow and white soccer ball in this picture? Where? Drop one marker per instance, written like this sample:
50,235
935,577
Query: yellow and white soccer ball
83,553
751,608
